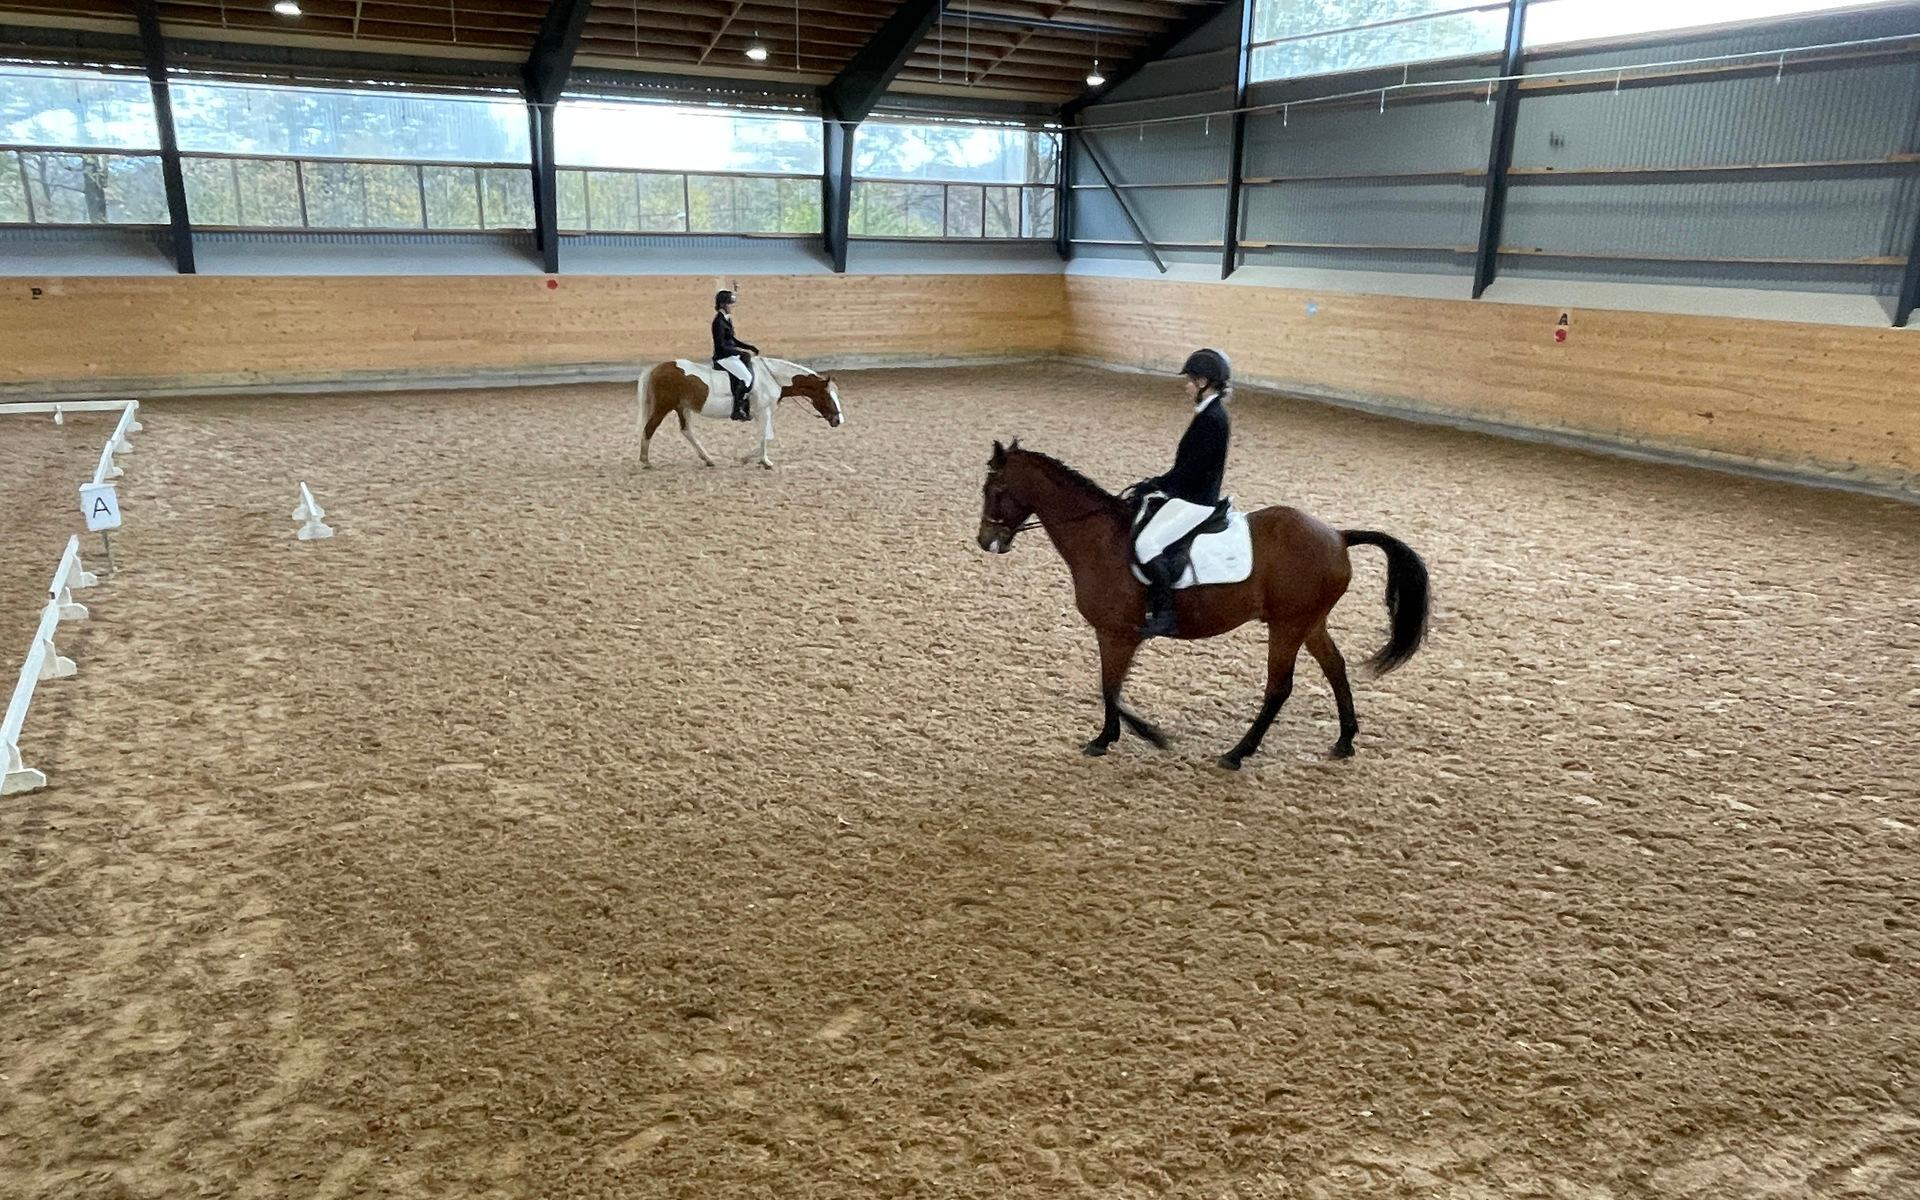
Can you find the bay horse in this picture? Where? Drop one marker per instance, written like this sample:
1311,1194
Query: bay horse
1300,571
684,388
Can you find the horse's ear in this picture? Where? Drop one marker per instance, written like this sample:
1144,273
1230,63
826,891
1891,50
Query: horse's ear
1016,444
999,455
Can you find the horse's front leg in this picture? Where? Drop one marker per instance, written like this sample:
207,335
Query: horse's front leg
1116,659
686,431
763,455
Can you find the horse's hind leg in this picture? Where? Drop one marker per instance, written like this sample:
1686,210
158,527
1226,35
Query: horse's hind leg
1116,659
686,431
1320,645
655,416
1283,646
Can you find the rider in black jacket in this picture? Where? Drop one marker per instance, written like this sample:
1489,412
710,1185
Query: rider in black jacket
1189,492
732,355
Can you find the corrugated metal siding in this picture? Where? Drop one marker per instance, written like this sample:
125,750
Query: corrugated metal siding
1363,212
1861,112
1820,218
1868,110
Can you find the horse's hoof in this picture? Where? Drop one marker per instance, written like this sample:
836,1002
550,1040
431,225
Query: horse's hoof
1095,749
1342,750
1229,762
766,464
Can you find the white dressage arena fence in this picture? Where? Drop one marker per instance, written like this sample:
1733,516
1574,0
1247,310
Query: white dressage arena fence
44,660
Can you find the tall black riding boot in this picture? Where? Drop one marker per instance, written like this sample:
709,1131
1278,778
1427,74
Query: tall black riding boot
741,410
1160,619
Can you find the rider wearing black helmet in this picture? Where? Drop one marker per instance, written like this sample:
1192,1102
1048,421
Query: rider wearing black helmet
1175,504
732,355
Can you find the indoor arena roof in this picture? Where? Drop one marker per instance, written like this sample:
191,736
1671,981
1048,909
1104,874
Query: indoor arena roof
1037,51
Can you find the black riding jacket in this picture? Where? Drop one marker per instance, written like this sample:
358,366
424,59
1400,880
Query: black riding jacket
725,343
1200,464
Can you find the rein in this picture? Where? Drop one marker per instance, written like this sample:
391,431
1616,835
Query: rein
1036,523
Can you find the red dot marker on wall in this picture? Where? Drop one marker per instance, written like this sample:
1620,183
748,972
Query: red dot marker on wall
552,284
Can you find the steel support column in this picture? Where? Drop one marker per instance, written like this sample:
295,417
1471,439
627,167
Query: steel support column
154,51
1493,198
1909,297
1237,143
543,79
1063,207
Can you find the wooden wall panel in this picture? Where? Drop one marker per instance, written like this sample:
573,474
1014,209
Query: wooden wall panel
1830,400
213,331
1837,401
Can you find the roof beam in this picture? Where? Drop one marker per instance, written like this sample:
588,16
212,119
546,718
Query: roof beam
1158,49
859,86
553,49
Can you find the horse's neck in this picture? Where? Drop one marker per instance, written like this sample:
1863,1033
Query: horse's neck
782,371
1083,524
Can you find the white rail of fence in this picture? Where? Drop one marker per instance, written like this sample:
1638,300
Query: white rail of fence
43,659
58,407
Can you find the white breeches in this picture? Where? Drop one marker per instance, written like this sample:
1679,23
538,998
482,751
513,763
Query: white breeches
734,367
1175,520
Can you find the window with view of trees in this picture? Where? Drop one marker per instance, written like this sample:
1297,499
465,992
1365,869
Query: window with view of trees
259,157
953,180
629,167
78,148
1294,38
1554,22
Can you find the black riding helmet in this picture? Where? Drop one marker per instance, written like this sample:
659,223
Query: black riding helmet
1209,365
722,298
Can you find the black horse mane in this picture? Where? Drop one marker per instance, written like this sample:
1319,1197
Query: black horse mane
1075,477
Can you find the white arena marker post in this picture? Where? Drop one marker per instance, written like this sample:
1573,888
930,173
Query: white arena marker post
71,575
309,514
52,666
119,444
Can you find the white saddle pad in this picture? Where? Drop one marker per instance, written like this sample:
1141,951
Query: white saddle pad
1224,557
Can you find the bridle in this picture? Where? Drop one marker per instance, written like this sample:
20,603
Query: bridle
1037,523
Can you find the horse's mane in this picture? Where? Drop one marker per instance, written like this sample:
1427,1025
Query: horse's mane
1072,476
797,369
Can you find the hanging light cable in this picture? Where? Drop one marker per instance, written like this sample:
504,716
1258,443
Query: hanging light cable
1094,77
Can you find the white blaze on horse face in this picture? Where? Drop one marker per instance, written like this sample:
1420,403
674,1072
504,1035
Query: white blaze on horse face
833,393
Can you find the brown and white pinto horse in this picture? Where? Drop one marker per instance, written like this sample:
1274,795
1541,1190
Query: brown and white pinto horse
1300,571
683,388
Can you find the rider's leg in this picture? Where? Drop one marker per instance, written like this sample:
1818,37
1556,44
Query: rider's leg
1174,520
1159,620
740,379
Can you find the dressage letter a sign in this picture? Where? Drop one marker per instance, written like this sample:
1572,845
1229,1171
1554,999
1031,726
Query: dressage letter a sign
101,504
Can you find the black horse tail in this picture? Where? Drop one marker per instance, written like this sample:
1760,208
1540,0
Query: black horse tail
1406,598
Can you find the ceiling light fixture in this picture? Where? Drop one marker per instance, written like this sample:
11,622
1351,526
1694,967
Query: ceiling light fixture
757,49
1094,77
287,8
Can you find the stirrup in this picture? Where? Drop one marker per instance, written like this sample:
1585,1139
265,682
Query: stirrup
1159,624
